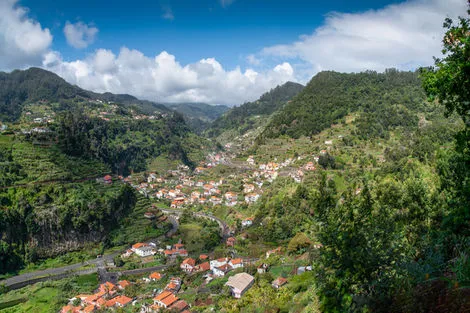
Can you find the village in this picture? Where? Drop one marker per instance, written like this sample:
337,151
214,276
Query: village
172,287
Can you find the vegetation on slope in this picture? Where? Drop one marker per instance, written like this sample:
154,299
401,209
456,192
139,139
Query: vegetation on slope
244,117
385,100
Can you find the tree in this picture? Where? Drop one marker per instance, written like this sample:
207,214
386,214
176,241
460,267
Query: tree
299,244
449,80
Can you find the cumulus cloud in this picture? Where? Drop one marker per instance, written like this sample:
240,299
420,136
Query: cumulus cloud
404,35
80,35
162,78
23,41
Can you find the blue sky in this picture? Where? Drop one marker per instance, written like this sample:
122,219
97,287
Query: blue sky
216,51
199,29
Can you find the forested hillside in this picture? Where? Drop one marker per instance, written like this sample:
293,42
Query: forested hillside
34,84
384,100
245,116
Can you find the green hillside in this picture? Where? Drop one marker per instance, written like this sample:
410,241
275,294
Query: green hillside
246,116
34,85
384,100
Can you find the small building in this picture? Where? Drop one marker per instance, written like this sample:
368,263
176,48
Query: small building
247,222
262,268
188,265
222,270
236,263
239,284
203,267
108,179
155,276
144,251
279,282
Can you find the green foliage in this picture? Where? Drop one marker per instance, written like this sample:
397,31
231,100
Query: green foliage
384,100
124,145
240,118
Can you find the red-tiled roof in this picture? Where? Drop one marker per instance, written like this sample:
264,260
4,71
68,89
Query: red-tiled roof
179,305
189,261
204,266
162,295
124,283
155,275
138,245
169,300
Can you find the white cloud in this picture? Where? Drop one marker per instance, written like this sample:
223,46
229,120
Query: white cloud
80,35
168,13
23,41
162,78
226,3
405,35
253,60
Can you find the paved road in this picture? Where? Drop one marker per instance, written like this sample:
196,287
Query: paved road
69,269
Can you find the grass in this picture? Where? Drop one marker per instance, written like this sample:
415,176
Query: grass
190,234
45,297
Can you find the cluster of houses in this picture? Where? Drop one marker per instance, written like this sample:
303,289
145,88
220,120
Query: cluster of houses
167,298
106,297
218,268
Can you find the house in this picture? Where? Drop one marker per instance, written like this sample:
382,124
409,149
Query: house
107,288
203,257
218,262
188,265
174,285
230,196
310,166
108,179
230,242
303,269
222,270
279,282
274,251
203,267
123,284
250,160
262,268
138,245
247,222
240,283
328,142
155,276
165,299
215,200
179,306
119,301
247,188
127,254
236,263
145,251
252,197
149,215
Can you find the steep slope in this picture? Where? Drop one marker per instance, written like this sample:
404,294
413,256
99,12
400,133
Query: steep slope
36,84
384,99
247,115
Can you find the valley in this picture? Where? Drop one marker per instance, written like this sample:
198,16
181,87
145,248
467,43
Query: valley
330,199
